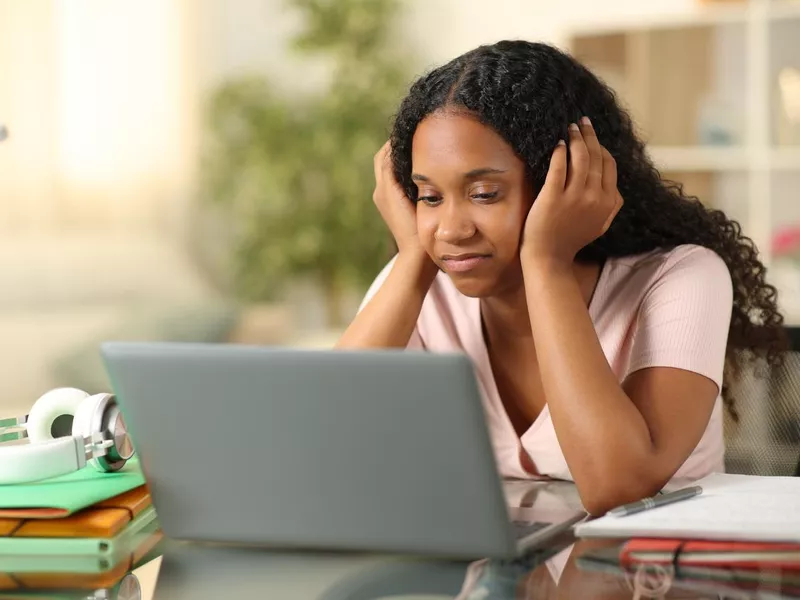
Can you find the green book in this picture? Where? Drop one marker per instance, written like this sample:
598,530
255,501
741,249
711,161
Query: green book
15,551
72,492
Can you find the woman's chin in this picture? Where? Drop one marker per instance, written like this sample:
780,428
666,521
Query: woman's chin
473,287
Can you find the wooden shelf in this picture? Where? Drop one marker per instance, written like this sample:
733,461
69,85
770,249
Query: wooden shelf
709,66
698,158
690,159
698,16
724,14
785,159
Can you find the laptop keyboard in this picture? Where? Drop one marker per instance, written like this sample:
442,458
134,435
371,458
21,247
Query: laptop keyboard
522,529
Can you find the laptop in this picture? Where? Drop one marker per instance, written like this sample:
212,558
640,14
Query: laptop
383,450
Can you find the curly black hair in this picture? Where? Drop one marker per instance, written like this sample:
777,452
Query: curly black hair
529,93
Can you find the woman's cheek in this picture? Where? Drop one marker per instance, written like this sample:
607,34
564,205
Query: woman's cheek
426,229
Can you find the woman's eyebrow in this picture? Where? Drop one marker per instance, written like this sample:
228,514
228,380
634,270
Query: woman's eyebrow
484,171
468,175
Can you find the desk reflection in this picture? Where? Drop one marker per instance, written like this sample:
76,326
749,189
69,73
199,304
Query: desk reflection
205,572
200,572
182,571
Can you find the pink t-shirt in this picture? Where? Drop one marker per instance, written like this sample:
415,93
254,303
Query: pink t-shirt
667,309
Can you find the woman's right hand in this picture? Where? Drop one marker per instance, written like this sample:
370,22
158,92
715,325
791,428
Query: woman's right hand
395,207
388,319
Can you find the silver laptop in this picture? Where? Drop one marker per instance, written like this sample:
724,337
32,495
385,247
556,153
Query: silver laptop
349,450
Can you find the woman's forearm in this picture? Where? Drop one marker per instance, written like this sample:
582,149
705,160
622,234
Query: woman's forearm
604,437
388,319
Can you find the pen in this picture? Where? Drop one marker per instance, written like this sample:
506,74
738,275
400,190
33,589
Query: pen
661,500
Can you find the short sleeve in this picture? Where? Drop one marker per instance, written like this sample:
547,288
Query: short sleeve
685,316
415,342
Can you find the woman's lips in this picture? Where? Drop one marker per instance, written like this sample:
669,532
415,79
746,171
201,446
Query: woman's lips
457,264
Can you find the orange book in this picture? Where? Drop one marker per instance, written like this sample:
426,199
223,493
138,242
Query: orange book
102,520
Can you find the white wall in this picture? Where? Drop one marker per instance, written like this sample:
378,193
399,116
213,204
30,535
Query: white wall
240,36
446,28
28,108
99,100
125,111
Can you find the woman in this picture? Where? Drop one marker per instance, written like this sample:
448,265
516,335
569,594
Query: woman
598,303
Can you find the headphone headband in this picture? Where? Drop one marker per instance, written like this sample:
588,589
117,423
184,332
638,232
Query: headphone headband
13,422
13,429
32,462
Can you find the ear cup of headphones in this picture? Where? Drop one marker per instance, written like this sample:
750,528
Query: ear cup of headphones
100,414
52,415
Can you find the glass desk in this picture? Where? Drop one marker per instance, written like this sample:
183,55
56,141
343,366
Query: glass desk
567,569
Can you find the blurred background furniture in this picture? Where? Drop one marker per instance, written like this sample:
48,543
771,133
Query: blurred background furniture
715,92
766,439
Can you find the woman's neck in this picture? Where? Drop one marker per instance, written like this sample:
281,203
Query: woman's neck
505,317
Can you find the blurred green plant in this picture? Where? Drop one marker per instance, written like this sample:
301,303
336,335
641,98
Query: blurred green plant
295,175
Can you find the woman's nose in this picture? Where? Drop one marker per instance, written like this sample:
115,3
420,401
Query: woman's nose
454,225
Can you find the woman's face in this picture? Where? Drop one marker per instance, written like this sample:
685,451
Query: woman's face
473,201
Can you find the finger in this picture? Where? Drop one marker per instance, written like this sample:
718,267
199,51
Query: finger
579,163
557,172
609,173
595,175
387,156
381,155
380,159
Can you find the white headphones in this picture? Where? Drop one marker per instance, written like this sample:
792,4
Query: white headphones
67,429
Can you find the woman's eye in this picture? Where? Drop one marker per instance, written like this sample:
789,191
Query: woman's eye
485,196
429,200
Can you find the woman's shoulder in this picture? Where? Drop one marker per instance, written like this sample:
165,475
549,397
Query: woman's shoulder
686,261
672,277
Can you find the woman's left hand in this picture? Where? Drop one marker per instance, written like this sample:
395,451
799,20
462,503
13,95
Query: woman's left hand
577,203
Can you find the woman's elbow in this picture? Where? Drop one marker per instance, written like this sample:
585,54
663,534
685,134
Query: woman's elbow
597,502
604,493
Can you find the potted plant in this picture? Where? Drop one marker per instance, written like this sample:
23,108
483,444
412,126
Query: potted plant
294,176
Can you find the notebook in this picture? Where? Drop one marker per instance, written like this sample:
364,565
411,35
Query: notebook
731,507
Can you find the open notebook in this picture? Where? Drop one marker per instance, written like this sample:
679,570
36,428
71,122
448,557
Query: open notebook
731,507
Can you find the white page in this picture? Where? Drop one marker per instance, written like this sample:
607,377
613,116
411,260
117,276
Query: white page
731,507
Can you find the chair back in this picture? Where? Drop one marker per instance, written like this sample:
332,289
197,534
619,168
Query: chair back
766,439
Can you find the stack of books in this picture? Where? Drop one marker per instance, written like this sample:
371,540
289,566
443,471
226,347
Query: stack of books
76,532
